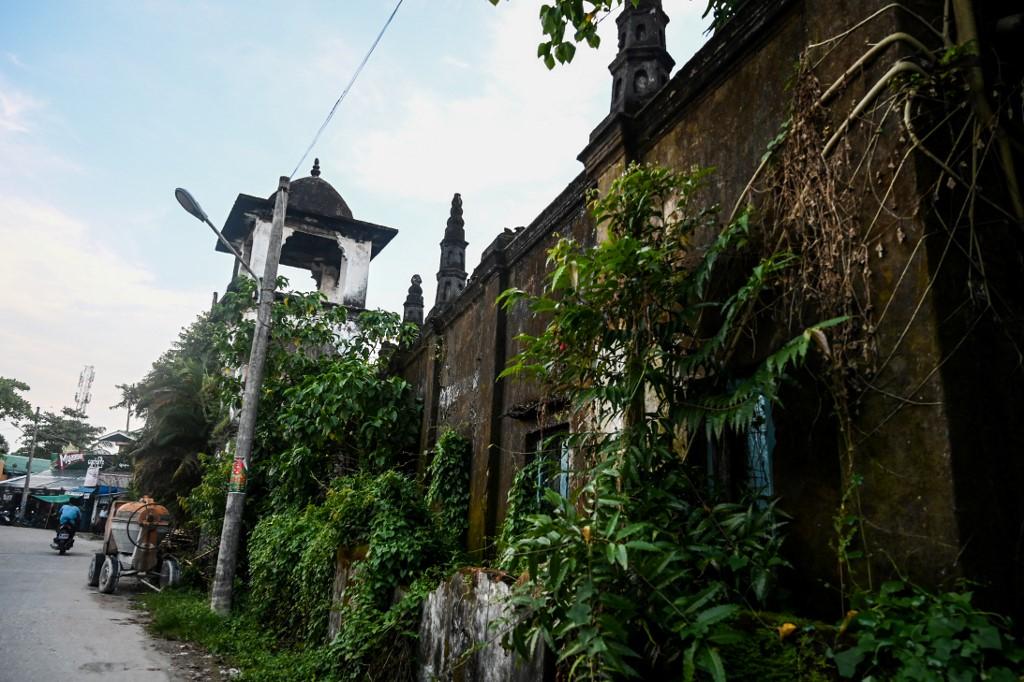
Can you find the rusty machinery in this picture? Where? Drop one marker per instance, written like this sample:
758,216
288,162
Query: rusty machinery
132,547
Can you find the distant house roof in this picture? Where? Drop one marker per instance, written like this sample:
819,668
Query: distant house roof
116,437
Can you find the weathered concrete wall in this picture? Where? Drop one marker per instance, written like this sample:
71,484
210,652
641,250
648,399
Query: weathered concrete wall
465,345
722,110
461,631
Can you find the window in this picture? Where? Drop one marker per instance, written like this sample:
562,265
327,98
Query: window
548,452
742,464
760,447
640,82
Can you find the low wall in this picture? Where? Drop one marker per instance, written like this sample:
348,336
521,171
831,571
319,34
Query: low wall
461,631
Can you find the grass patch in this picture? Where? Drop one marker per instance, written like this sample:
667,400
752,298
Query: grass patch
186,616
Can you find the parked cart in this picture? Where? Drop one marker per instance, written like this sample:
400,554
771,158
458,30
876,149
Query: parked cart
132,547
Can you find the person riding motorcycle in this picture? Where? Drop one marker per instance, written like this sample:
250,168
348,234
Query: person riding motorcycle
70,514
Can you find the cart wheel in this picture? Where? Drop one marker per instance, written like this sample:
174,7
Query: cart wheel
170,572
109,573
95,564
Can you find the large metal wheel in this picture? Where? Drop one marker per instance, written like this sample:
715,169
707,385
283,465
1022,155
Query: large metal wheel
95,565
170,572
109,574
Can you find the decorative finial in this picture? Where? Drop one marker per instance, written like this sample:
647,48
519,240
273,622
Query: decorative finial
316,168
413,309
455,221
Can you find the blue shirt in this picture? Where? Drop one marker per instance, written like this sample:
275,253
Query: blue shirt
69,513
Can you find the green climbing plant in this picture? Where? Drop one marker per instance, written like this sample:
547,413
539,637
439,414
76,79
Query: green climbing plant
640,572
448,490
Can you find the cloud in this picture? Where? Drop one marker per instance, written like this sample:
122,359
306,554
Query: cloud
15,109
15,60
505,124
500,123
71,301
24,157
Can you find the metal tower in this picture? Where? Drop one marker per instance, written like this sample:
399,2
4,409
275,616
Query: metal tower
84,393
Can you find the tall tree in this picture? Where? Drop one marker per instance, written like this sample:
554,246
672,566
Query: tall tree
58,430
129,401
179,401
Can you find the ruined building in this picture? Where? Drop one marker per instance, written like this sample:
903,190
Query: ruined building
937,437
320,235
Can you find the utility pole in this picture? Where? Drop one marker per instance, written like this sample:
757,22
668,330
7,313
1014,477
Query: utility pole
28,469
227,556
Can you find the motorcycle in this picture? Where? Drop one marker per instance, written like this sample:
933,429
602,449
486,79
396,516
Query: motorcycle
5,517
65,538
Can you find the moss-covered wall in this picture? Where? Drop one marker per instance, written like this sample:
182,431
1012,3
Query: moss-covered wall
923,496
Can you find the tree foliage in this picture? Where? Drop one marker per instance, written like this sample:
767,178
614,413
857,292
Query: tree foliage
12,405
182,406
57,431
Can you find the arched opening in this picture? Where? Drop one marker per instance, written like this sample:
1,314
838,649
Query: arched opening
305,255
641,32
641,81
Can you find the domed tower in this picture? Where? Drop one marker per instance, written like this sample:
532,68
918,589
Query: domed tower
320,235
643,65
451,277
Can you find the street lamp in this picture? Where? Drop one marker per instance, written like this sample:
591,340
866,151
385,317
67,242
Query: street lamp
189,203
227,555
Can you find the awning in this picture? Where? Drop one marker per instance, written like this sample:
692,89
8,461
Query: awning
98,490
54,499
48,481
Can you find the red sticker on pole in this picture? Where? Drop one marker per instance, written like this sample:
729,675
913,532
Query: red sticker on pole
236,482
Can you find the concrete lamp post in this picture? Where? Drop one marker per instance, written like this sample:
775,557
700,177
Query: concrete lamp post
227,555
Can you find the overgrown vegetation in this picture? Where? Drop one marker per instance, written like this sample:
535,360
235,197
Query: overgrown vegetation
332,476
241,638
640,572
448,490
903,632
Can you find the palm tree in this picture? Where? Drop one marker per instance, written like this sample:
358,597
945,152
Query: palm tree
180,403
129,399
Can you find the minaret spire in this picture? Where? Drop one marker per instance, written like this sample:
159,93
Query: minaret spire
413,308
451,276
643,65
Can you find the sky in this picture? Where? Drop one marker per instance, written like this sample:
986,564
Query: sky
107,105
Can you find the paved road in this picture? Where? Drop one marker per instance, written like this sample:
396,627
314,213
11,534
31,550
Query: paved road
56,628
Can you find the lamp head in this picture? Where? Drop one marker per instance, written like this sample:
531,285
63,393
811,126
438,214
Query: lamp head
189,203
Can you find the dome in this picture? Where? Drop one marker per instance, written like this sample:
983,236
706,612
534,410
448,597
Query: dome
316,197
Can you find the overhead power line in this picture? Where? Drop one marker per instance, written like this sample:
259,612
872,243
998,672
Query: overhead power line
348,87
